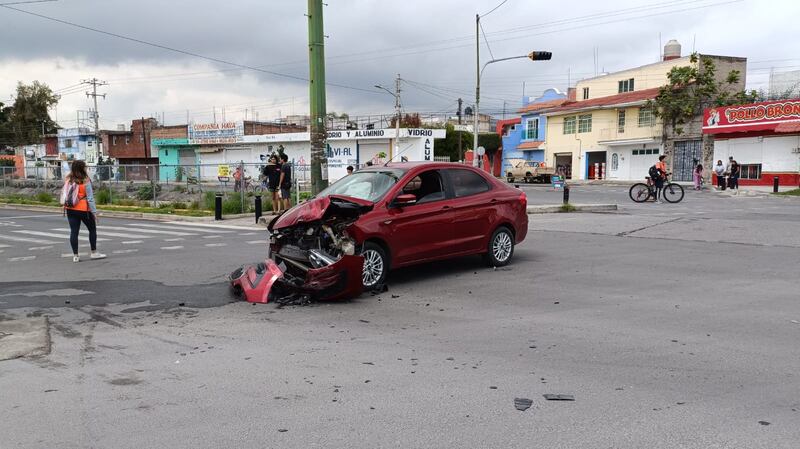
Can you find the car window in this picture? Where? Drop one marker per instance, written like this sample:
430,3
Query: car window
427,187
365,185
467,182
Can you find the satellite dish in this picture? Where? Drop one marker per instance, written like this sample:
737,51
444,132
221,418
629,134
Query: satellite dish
481,151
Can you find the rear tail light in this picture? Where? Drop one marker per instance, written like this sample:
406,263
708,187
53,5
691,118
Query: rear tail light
523,200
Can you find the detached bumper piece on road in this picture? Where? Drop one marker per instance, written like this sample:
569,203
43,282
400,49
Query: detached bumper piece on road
292,283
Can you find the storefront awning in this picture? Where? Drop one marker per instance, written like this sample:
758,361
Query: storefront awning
791,127
529,145
618,143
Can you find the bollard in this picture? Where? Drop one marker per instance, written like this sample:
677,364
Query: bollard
566,193
775,184
258,207
218,206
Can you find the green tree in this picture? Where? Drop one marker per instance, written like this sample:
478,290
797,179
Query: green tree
691,89
29,115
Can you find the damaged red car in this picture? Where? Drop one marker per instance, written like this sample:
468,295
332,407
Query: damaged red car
348,237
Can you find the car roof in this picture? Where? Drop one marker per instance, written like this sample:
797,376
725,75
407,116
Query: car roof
411,165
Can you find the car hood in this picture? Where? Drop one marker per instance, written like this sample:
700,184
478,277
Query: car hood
321,208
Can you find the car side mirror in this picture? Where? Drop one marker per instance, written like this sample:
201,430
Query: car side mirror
405,199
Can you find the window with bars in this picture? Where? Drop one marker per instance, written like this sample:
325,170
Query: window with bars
113,140
569,125
626,85
585,93
621,121
585,123
646,117
645,151
750,171
532,129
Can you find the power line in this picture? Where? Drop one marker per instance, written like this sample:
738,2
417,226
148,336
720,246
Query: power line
177,50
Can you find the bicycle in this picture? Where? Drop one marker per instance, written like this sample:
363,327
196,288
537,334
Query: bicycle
253,187
641,192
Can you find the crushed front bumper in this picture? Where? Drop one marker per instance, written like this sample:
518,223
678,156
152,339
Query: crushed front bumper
269,282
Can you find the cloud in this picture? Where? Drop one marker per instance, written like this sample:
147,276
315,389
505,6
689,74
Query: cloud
431,44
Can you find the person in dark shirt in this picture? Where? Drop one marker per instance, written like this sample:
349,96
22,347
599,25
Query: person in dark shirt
285,182
272,173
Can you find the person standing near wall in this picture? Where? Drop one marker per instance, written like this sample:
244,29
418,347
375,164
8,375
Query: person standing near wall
286,181
733,177
77,197
272,172
697,176
719,170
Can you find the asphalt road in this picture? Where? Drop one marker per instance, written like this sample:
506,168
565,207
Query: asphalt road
672,326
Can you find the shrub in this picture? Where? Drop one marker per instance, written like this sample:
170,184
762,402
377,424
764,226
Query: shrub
126,202
179,189
232,205
195,205
179,205
7,163
44,197
208,200
145,191
103,196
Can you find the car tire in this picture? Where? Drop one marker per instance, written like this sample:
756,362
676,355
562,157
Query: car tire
500,248
376,265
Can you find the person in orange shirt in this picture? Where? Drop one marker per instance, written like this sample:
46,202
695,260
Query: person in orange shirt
661,166
80,208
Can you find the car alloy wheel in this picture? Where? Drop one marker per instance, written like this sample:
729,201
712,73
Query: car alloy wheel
373,268
502,246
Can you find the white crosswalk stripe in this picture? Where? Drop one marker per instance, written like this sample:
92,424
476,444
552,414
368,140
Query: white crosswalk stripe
20,259
131,242
195,226
58,236
124,251
210,236
177,239
257,242
145,231
65,255
26,240
5,246
39,248
111,234
172,228
171,247
213,245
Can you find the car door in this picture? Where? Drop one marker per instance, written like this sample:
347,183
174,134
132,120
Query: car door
473,210
420,231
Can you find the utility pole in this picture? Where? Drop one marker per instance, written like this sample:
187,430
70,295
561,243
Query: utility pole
316,62
460,153
475,162
397,120
94,82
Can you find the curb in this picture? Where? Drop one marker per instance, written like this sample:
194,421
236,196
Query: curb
556,208
133,215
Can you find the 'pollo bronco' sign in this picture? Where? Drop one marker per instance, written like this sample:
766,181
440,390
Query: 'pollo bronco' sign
750,117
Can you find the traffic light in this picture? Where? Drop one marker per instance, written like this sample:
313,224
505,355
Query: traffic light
540,55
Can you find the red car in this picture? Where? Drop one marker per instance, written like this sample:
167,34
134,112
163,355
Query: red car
350,235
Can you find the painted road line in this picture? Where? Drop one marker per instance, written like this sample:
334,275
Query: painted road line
177,239
26,240
112,234
257,242
39,248
194,226
58,236
124,251
210,236
10,224
131,242
65,255
216,244
20,259
182,230
145,231
171,247
4,246
249,233
56,215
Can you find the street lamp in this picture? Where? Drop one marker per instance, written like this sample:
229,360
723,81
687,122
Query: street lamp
396,96
533,56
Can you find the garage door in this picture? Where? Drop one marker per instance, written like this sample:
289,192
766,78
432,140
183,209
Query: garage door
368,149
641,161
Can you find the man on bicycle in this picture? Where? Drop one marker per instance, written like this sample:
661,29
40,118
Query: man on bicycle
661,176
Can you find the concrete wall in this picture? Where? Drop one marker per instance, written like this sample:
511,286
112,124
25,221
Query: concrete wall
645,77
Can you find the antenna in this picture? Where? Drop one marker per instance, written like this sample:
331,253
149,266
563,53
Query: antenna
398,154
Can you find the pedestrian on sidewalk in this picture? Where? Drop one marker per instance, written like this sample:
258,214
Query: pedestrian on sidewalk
698,177
272,172
733,176
77,197
285,182
719,170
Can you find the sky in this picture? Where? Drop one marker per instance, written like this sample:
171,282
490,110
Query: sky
430,44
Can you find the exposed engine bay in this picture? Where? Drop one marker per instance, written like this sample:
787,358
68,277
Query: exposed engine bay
311,256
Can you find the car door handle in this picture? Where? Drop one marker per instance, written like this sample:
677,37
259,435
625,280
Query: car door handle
494,200
445,207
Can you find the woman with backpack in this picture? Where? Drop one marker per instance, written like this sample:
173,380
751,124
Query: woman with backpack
77,198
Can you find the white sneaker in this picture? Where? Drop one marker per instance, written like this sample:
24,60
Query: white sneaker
76,258
97,256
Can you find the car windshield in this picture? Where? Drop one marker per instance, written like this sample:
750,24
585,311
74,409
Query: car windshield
365,185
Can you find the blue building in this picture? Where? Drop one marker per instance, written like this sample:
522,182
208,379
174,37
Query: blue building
524,140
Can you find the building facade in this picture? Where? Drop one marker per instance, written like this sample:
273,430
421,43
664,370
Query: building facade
607,132
764,138
525,139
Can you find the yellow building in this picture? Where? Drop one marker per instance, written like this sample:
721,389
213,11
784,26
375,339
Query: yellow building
605,131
